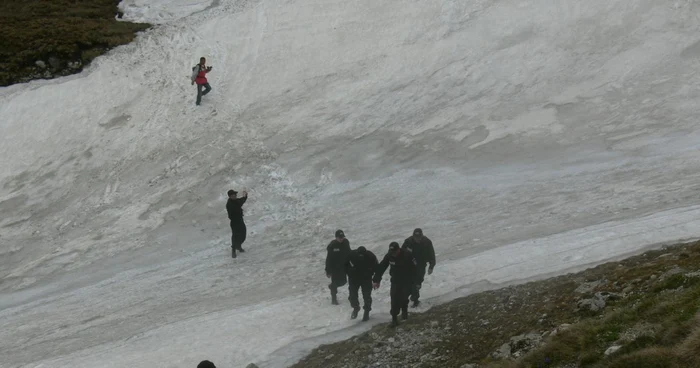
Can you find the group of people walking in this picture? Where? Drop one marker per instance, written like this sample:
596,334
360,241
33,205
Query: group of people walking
361,270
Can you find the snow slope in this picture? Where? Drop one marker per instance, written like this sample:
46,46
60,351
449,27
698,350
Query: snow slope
527,138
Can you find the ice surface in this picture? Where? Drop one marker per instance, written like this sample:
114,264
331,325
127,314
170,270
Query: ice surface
526,138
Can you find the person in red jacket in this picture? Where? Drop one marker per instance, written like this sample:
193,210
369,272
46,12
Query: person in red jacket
199,73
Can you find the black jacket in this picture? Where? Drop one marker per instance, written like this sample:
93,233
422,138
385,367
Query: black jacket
403,268
361,266
336,257
234,207
422,251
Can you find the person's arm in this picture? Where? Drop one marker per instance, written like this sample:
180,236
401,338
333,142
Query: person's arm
346,248
349,266
229,208
328,260
431,256
379,272
195,71
405,247
413,268
373,262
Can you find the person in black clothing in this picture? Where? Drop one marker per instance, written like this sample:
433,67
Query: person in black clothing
338,250
403,274
360,267
234,207
422,249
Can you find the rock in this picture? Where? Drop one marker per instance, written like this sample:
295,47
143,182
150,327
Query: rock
518,346
468,366
329,357
40,64
521,344
605,296
562,327
627,290
74,64
55,62
587,287
692,274
503,352
640,329
674,271
592,304
612,349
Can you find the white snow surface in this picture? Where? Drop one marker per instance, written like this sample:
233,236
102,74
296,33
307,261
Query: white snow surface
161,11
526,137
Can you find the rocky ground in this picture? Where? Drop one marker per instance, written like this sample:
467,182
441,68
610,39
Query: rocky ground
640,312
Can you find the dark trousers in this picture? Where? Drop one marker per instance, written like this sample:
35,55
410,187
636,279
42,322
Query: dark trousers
238,234
336,281
399,297
207,88
366,286
415,288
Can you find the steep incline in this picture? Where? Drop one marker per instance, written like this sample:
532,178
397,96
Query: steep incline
525,138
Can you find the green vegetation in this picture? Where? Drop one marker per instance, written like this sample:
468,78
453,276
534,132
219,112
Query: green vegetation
57,32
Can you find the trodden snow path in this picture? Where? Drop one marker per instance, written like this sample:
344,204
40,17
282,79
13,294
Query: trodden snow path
526,138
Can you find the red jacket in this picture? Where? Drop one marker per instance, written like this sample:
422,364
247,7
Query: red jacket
199,74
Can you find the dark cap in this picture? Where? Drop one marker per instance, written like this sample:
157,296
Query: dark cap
231,191
361,249
417,231
394,246
339,234
206,364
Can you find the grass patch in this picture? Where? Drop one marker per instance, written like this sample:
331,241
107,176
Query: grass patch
648,358
64,30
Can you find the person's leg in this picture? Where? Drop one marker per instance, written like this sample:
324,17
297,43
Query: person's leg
415,288
334,293
395,294
233,240
367,298
367,295
199,94
405,292
207,89
353,287
242,234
